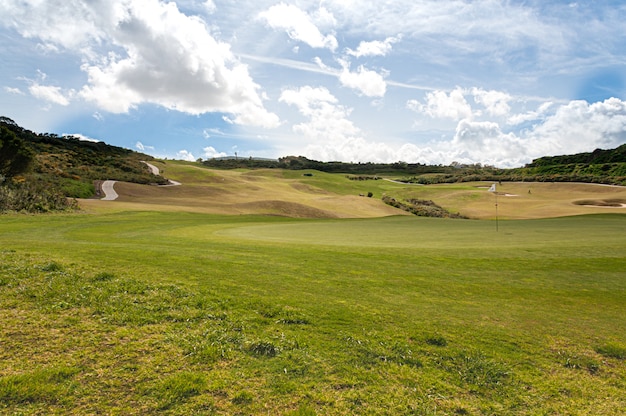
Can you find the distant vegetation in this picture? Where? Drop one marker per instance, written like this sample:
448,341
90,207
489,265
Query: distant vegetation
599,166
39,171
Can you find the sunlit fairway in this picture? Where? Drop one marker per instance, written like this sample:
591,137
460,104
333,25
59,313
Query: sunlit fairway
160,303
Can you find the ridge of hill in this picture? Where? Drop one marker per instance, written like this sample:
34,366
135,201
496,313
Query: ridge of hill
598,156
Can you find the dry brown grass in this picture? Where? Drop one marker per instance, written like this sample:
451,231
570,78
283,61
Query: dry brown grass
234,192
523,200
275,192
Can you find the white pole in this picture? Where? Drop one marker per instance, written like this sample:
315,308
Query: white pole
495,193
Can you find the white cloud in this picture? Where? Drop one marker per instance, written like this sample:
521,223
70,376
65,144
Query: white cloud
374,48
142,147
577,126
210,153
495,102
153,53
49,93
207,133
442,105
520,118
299,25
485,142
328,130
15,91
185,155
82,137
173,61
367,82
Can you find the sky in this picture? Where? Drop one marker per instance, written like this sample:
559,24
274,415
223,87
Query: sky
420,81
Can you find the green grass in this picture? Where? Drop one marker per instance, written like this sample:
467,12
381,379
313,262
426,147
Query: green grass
147,312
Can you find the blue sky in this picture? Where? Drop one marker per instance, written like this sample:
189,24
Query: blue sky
428,81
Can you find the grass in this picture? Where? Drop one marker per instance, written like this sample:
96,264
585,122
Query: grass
182,313
160,303
323,195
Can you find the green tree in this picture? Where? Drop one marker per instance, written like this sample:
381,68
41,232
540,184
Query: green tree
15,156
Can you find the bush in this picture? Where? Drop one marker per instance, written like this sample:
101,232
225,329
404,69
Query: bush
27,197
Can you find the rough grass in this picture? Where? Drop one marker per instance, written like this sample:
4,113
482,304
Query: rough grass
179,313
323,195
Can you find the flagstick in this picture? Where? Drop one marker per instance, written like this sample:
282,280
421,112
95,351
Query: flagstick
496,194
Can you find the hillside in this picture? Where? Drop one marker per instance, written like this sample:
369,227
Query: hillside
314,194
44,169
72,165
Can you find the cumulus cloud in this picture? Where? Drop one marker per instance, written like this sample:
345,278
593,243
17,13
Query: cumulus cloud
145,52
520,118
326,117
495,102
367,82
185,155
439,104
374,48
571,128
329,131
299,25
576,126
210,153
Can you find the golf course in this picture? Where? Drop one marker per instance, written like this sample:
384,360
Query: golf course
285,292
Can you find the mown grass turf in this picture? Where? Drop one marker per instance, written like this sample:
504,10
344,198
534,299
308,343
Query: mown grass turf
179,313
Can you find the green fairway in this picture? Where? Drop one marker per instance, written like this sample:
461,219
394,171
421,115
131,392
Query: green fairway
191,313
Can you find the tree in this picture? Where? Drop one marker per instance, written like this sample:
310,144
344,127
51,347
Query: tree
15,155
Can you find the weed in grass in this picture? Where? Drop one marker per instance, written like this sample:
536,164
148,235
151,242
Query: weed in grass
578,362
178,387
52,267
243,398
303,411
263,349
478,371
209,346
47,385
612,350
103,277
436,340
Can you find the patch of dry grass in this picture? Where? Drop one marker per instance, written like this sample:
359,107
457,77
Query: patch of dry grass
523,200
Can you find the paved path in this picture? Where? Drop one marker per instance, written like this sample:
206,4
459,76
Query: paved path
109,192
155,171
111,195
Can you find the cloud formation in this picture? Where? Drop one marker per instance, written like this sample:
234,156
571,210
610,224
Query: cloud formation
299,25
373,48
145,52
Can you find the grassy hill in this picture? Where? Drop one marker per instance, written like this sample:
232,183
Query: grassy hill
72,165
328,195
